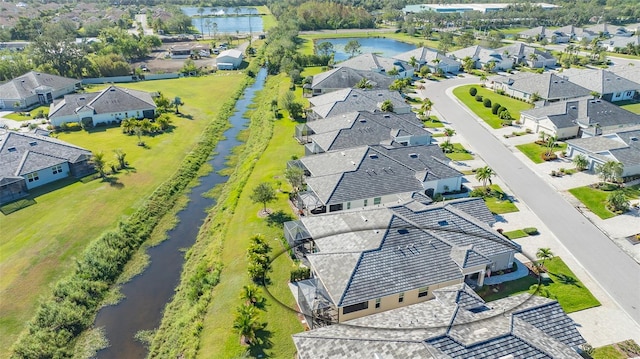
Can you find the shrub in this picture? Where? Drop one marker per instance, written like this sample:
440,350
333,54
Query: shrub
486,102
300,273
532,231
479,98
495,107
500,92
473,91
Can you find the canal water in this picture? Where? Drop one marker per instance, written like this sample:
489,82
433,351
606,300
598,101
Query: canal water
148,293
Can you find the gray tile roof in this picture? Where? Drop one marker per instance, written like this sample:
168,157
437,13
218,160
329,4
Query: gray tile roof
599,80
596,144
520,326
382,171
475,207
425,55
111,99
630,73
24,86
342,77
540,30
522,51
22,153
479,53
362,128
374,62
548,86
410,249
352,100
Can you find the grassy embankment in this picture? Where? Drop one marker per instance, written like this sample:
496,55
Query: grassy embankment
514,106
41,242
205,328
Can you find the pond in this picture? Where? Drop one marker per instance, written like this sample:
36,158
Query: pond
147,294
226,20
380,46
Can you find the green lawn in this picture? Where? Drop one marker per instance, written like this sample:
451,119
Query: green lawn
500,203
624,56
607,352
19,117
39,243
518,233
596,199
633,107
460,153
514,106
535,151
433,122
217,337
564,286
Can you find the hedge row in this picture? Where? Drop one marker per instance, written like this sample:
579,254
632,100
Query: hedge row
70,309
183,318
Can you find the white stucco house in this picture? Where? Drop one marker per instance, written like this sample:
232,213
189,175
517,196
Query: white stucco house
34,89
229,59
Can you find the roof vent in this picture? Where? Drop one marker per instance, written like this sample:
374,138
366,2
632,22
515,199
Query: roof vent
413,155
373,155
403,231
82,98
633,138
12,149
34,143
364,218
362,120
380,94
443,223
112,89
387,116
573,107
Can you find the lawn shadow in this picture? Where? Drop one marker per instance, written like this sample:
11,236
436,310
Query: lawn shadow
566,279
261,344
278,218
113,182
500,218
184,115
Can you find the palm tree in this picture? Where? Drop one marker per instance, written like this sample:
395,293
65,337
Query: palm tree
468,64
214,27
581,162
544,253
449,132
120,157
610,171
542,136
483,78
98,162
617,201
200,12
127,125
250,294
484,175
413,62
246,324
364,84
490,66
551,144
427,105
533,58
208,23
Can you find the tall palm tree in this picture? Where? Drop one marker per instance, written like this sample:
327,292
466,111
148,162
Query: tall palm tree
483,78
449,132
551,144
610,171
413,62
544,253
427,106
484,175
201,12
99,163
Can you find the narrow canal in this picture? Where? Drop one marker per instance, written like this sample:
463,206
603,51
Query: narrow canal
148,293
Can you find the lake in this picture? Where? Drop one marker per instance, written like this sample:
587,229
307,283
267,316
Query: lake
380,46
226,19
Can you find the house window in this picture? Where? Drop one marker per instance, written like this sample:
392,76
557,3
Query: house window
57,169
377,303
422,292
401,297
355,307
377,200
31,177
335,207
366,202
629,93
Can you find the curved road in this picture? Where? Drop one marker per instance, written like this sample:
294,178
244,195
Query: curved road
613,269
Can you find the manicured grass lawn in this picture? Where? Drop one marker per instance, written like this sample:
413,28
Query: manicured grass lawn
433,122
607,352
535,151
268,20
460,153
514,106
624,56
596,199
501,203
564,287
634,107
39,243
217,338
18,117
518,233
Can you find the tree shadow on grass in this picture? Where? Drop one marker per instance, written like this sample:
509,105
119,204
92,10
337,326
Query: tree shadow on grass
261,344
113,182
183,115
278,218
566,279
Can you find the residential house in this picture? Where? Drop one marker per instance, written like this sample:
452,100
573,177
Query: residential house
584,117
563,34
456,324
180,51
28,160
350,100
430,57
366,262
382,175
229,59
537,33
482,56
34,89
600,29
582,34
620,42
361,128
622,146
377,63
528,55
344,77
547,86
630,73
610,86
110,105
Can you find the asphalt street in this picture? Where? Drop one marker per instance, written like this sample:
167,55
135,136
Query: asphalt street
614,270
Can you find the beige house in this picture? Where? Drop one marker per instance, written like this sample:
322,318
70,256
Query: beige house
366,262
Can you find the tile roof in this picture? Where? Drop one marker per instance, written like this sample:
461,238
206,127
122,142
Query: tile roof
599,80
522,51
548,86
352,100
111,99
446,327
342,77
371,61
26,85
22,153
622,41
426,55
630,73
478,52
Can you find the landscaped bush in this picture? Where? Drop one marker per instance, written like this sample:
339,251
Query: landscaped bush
479,98
70,126
486,102
300,273
495,107
473,91
532,231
